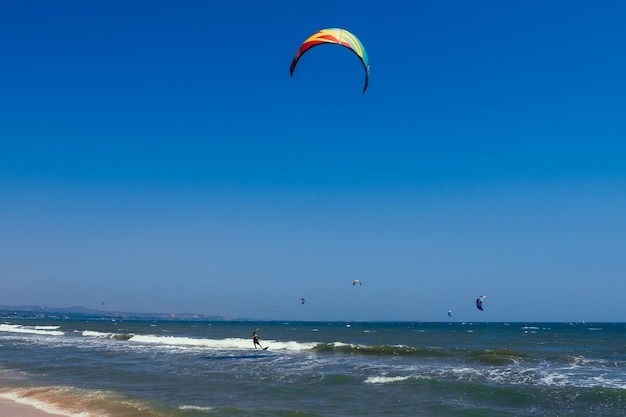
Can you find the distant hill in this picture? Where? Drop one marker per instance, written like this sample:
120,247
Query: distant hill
78,312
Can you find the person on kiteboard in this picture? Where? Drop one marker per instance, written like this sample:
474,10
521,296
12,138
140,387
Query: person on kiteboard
255,340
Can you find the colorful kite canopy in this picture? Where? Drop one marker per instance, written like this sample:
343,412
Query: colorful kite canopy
335,36
356,281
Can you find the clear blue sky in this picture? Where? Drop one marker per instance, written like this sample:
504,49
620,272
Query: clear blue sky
157,155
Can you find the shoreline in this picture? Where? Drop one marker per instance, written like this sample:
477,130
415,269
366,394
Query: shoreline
14,408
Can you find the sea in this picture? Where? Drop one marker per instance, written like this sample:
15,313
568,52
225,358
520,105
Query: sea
106,368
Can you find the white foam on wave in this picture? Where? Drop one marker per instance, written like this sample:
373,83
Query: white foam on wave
290,346
91,333
601,381
568,376
182,342
195,408
179,342
462,373
16,328
385,379
554,378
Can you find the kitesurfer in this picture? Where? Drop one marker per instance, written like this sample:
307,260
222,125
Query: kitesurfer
255,340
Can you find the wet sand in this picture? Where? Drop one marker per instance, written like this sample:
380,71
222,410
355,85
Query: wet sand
13,409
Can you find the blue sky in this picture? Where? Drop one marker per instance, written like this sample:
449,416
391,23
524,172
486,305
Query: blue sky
157,155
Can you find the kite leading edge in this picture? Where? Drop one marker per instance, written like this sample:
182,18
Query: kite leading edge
339,37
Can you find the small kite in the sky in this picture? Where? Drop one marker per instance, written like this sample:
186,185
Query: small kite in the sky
301,300
479,302
339,37
356,281
449,313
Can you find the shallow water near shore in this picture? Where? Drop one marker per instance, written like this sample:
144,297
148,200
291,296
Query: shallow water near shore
195,369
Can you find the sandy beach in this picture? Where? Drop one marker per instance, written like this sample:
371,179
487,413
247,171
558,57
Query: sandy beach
15,409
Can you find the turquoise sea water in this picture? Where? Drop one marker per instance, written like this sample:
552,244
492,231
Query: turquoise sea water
196,369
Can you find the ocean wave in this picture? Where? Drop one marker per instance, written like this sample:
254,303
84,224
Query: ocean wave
113,336
182,342
570,361
380,350
189,342
195,408
543,375
386,379
497,356
41,330
502,377
562,378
